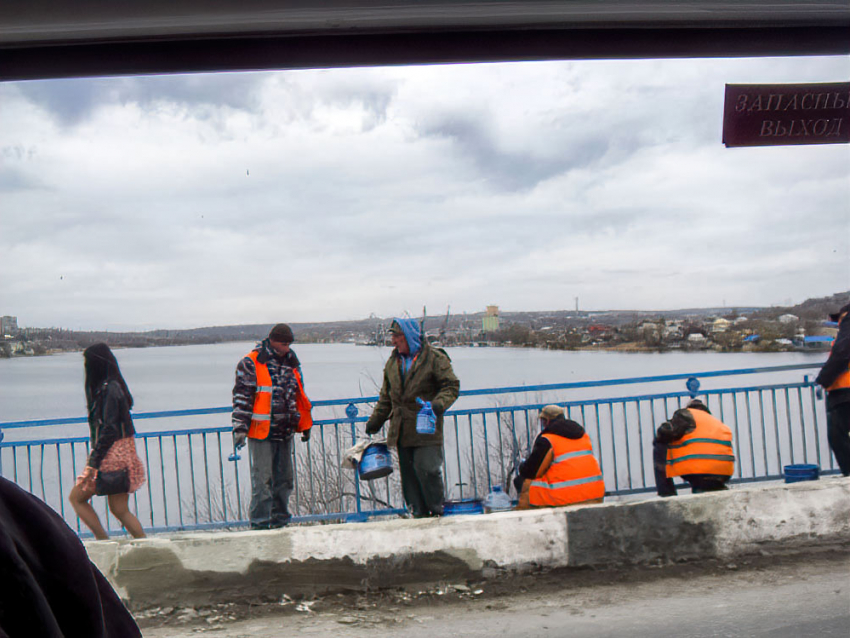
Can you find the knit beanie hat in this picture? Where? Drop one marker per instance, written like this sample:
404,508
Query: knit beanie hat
282,333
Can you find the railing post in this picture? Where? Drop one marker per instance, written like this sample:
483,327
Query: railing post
692,384
1,451
351,413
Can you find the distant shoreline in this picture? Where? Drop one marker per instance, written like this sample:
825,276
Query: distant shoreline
620,347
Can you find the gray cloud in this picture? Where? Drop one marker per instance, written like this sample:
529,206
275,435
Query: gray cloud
508,170
74,101
196,200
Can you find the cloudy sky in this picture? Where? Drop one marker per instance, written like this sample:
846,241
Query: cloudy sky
186,201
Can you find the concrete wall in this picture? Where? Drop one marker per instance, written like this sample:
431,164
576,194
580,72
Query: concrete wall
205,568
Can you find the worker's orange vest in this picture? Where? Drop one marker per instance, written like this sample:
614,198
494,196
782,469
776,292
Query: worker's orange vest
573,477
261,418
706,450
843,380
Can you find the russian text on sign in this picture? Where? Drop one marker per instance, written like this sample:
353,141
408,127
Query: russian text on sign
782,114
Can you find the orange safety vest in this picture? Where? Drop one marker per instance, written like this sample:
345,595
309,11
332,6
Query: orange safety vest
261,417
706,450
843,380
573,477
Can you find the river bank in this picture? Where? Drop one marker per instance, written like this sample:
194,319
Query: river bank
628,346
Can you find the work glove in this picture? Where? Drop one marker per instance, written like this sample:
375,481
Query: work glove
239,439
305,436
374,429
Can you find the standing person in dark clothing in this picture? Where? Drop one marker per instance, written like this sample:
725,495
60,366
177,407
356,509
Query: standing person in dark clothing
696,446
835,378
269,406
414,371
49,587
561,469
113,443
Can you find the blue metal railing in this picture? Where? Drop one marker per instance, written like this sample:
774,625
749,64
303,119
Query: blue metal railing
195,480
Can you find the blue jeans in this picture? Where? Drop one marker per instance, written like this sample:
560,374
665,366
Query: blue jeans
271,482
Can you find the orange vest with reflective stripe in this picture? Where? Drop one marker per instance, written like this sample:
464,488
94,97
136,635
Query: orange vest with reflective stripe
706,450
573,477
261,417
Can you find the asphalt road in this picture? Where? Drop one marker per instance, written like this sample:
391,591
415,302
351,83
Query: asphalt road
774,597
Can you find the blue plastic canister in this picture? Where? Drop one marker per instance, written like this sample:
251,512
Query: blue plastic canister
453,508
426,420
375,462
805,472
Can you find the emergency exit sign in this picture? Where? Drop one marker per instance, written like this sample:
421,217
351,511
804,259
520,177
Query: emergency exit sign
784,114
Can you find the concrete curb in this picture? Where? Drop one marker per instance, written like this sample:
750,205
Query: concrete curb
206,568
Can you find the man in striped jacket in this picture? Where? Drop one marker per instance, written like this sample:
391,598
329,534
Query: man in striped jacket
269,407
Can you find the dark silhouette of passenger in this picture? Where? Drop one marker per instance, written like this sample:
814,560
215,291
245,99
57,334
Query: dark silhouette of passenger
48,586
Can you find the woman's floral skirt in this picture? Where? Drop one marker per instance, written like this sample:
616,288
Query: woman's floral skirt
121,455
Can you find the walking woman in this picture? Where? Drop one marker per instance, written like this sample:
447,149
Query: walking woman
113,446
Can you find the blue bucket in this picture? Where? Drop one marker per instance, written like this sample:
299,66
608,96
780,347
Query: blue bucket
375,462
796,473
472,506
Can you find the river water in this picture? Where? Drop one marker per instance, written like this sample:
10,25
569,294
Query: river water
186,377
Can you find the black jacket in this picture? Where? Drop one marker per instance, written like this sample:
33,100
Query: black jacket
109,420
680,424
838,362
49,587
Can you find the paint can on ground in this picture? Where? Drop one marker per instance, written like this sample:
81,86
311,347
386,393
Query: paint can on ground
805,472
375,462
471,506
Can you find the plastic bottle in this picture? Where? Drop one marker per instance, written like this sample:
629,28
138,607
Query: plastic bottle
426,420
497,500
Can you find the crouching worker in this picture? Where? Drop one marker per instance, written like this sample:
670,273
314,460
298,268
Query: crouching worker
696,446
561,469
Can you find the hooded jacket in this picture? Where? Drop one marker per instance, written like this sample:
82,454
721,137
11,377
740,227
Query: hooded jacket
427,374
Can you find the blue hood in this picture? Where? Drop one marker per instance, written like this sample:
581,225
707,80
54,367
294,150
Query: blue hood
410,328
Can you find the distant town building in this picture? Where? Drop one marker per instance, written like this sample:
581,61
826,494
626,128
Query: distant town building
673,331
8,326
788,319
490,323
720,325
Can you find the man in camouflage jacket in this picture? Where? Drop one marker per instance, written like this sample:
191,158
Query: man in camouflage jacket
272,478
416,370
